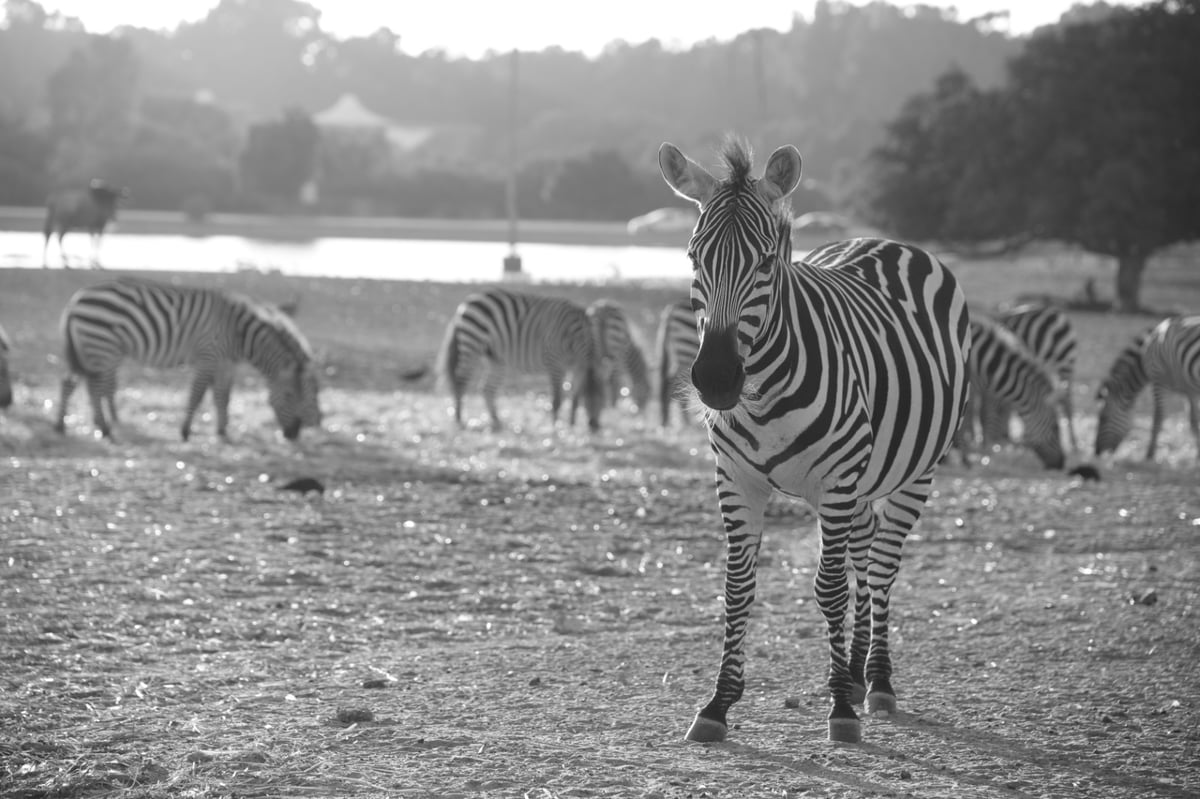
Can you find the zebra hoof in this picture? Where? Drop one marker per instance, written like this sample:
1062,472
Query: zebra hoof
845,731
880,703
858,694
706,730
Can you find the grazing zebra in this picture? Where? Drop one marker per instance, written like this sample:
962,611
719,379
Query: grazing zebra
620,355
165,326
1004,372
1167,357
5,383
1047,333
498,330
677,346
840,380
89,209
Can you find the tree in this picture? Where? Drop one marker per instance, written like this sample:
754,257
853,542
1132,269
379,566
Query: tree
280,155
1093,141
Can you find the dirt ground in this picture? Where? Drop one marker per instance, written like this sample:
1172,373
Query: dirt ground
537,613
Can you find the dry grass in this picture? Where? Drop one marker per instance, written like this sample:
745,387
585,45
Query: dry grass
535,613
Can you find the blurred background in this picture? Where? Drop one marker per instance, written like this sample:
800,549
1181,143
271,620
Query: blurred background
985,131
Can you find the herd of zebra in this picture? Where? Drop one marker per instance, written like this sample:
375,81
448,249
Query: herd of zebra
843,378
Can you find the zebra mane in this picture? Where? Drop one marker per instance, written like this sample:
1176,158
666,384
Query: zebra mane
737,156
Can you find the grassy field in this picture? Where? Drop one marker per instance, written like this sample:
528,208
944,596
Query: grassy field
536,613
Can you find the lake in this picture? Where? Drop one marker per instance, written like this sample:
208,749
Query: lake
393,259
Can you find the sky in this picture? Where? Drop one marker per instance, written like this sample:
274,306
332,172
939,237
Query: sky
470,28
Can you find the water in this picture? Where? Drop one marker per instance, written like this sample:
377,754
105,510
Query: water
393,259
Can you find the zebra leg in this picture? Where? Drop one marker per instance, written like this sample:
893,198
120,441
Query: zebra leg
1068,407
898,515
200,383
838,513
864,526
556,393
1194,423
97,388
222,387
1156,421
743,502
491,385
64,397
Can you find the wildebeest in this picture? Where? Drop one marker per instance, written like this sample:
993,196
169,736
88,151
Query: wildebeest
89,209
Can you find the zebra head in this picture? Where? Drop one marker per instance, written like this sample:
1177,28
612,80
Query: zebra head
292,393
741,241
1117,394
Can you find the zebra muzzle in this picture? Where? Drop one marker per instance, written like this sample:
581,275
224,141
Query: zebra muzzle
717,372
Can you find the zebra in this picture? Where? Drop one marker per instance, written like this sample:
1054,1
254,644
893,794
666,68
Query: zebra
1005,373
1047,333
620,354
1167,356
677,345
165,326
839,379
89,209
500,330
6,395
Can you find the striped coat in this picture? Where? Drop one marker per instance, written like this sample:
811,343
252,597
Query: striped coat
165,326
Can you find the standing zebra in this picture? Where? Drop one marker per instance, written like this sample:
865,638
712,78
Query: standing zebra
498,330
1047,333
677,346
620,355
166,326
1168,358
1005,373
89,209
840,380
5,382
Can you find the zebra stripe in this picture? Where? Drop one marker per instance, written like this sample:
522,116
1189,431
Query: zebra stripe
1048,334
5,382
1005,373
619,353
677,344
165,326
1167,356
500,331
839,379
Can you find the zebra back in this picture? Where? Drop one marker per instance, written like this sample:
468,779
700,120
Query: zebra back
1003,369
1047,333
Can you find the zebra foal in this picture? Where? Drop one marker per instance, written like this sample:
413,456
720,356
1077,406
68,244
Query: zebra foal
839,379
1005,374
677,345
1167,357
498,331
1049,335
619,353
165,326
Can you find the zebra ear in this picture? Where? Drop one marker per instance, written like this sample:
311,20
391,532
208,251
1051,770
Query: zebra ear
685,177
782,174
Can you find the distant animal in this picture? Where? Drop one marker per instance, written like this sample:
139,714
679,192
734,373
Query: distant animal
499,331
1167,357
838,379
165,326
1086,472
414,374
622,361
1046,332
1004,371
90,209
6,396
676,345
303,485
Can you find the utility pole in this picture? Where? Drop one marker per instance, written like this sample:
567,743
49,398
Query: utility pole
512,261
